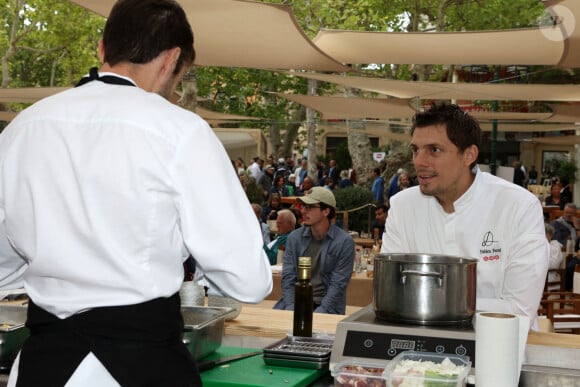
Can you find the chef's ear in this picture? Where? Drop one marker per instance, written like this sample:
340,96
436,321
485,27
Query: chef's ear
170,59
470,154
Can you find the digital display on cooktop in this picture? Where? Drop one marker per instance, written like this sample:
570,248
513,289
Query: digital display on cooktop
406,345
383,345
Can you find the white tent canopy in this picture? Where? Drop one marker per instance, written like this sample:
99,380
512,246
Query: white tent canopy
446,90
508,47
233,33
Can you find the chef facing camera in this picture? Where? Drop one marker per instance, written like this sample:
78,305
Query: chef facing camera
458,210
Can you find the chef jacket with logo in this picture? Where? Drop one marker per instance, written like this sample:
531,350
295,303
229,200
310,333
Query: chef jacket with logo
497,222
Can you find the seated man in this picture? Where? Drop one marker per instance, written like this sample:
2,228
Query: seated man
556,255
567,225
380,220
307,185
331,250
263,226
285,223
344,180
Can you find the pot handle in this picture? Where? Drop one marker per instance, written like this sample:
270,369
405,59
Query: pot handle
439,276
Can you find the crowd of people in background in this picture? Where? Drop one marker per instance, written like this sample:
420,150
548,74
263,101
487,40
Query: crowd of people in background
284,177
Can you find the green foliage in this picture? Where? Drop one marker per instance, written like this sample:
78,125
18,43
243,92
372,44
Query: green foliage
567,170
54,42
254,192
342,156
491,15
354,197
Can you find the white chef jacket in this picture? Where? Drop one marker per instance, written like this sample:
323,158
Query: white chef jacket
106,189
497,222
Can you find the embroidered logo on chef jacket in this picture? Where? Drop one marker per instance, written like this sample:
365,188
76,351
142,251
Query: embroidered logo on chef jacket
490,248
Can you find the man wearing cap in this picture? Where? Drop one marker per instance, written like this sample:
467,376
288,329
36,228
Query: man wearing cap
331,250
266,180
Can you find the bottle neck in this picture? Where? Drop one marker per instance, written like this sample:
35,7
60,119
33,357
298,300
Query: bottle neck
303,273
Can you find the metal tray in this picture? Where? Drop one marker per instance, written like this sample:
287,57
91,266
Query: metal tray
305,347
203,328
282,362
12,333
296,357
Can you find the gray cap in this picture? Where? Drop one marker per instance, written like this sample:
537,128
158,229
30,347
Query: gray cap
319,195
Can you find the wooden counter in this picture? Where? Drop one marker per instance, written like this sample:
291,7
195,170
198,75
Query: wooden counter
263,321
358,293
551,339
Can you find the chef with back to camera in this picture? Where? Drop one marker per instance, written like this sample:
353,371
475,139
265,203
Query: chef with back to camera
101,203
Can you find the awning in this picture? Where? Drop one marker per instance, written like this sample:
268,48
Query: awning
354,108
28,94
235,139
509,47
235,33
557,45
214,117
337,108
559,140
33,94
447,90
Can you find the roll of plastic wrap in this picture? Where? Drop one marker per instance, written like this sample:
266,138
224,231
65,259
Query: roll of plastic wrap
500,342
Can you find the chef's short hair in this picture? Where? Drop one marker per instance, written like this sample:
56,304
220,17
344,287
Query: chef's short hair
462,129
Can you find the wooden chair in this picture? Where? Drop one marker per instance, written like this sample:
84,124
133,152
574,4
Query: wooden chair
563,310
555,213
555,280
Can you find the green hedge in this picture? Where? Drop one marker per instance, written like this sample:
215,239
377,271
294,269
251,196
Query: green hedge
353,197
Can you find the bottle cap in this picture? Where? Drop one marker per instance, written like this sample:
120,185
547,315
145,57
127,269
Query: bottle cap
304,261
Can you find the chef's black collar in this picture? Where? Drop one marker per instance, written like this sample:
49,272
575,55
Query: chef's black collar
111,79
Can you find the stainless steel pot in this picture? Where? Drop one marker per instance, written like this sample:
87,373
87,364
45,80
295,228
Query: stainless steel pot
424,289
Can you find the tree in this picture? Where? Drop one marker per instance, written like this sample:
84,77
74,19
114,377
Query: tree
39,46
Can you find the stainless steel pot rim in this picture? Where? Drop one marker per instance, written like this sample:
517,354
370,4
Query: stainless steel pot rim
425,258
467,322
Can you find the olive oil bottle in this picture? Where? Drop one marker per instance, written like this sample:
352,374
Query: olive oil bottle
303,301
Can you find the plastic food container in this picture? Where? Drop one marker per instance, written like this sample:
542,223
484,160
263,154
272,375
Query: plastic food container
361,373
412,368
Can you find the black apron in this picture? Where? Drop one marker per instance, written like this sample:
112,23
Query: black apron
139,345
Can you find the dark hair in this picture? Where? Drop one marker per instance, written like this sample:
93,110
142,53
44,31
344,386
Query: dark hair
377,171
462,129
137,31
382,207
331,214
298,216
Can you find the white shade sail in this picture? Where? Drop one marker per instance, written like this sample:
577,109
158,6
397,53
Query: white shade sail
446,90
354,108
33,94
237,33
508,47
